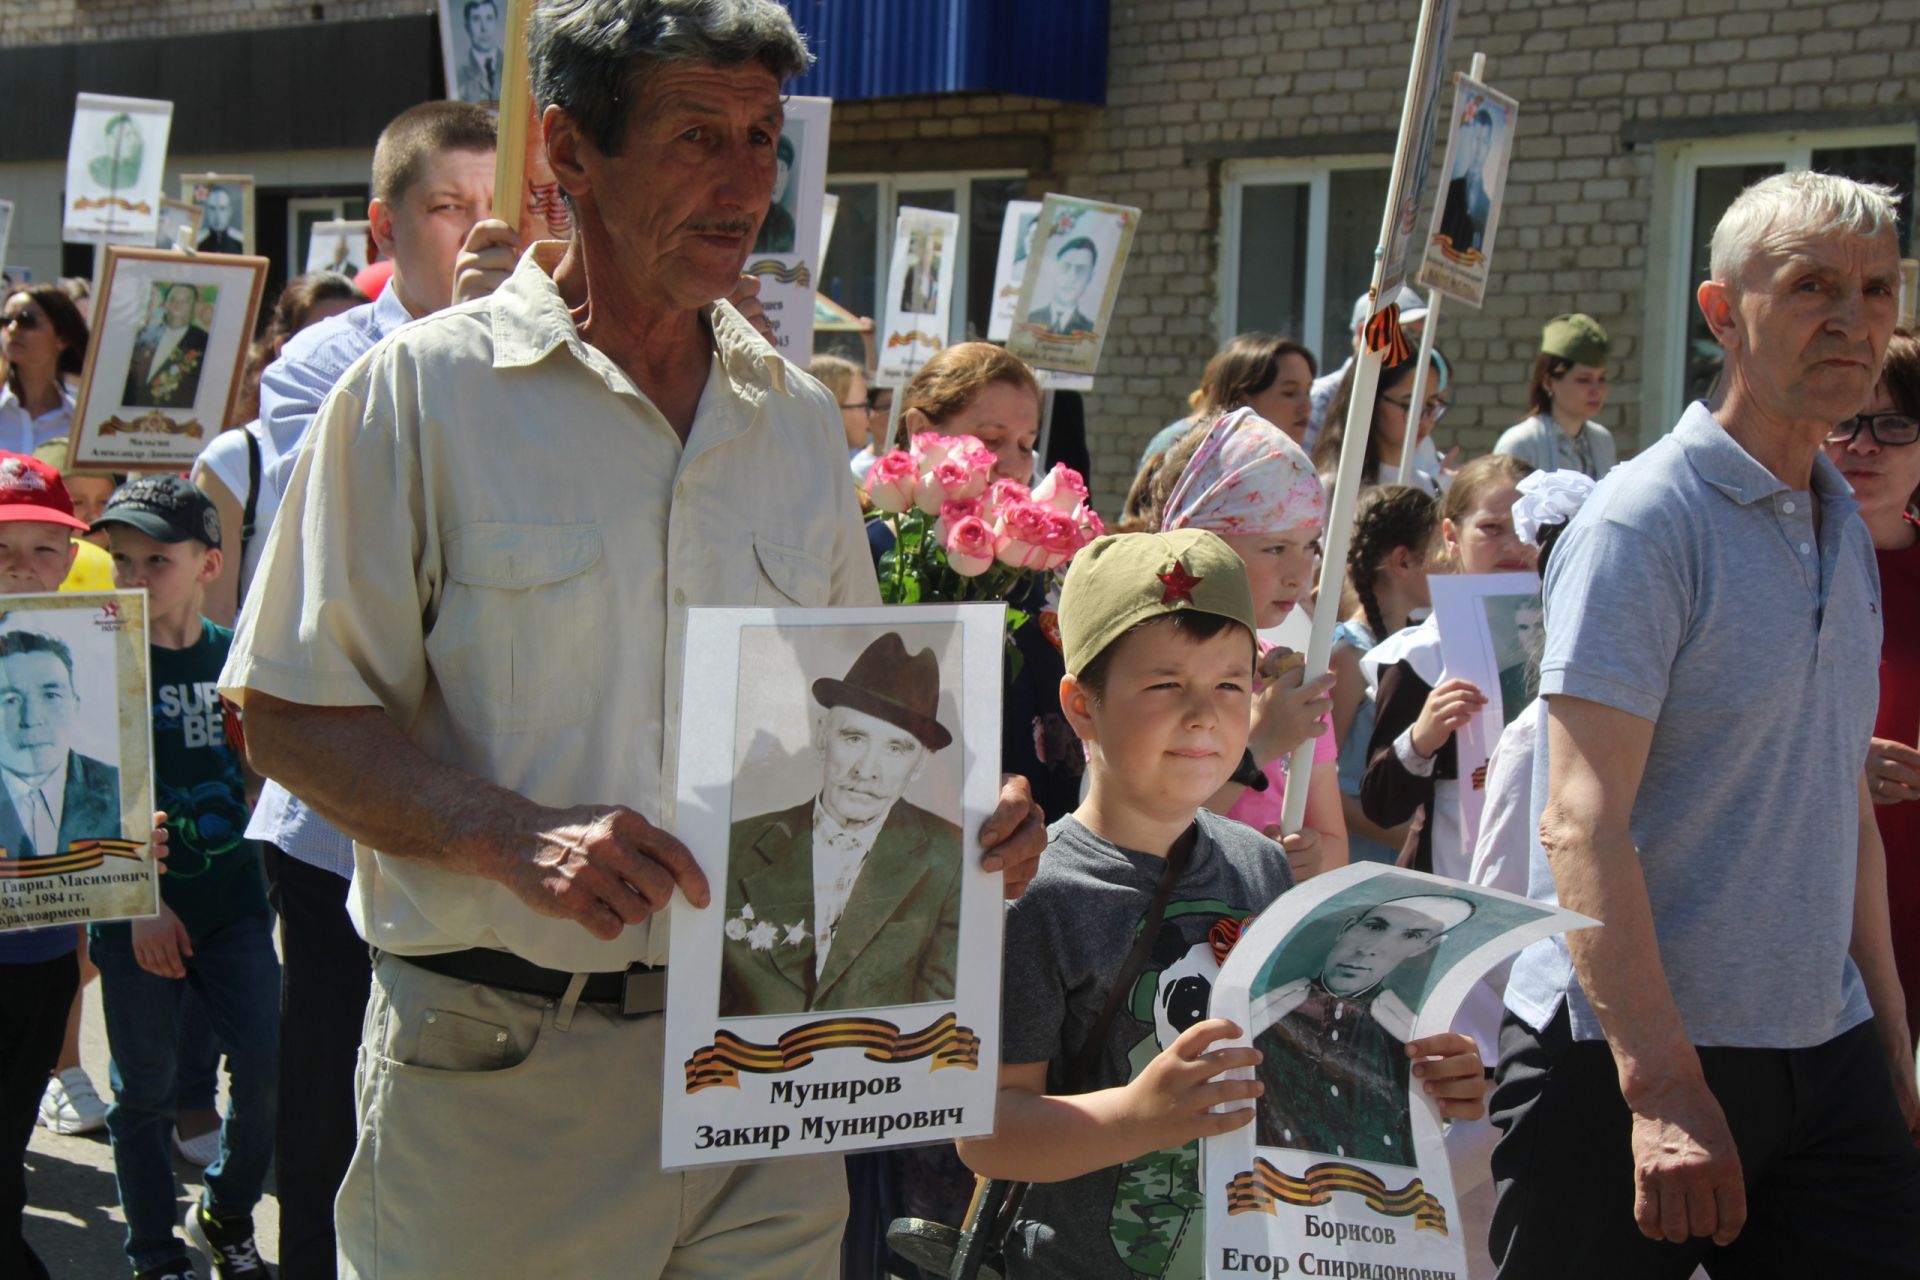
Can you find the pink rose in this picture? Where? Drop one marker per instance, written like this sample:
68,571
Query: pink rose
1023,528
976,455
952,513
970,546
891,482
1000,495
1062,489
1060,539
947,482
930,449
1091,525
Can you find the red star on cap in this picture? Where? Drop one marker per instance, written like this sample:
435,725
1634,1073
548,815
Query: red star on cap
1179,584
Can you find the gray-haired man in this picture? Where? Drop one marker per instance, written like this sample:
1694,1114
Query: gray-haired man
1722,1074
466,654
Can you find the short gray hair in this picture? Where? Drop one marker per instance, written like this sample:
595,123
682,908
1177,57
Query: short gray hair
1796,200
588,57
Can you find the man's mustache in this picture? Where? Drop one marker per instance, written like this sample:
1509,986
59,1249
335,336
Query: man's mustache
723,227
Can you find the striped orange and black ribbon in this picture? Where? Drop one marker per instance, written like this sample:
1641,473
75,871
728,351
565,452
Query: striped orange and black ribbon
912,336
795,274
81,855
1047,337
944,1040
1384,335
1261,1188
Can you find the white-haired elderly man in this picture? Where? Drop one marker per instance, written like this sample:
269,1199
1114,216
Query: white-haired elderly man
1721,1075
464,648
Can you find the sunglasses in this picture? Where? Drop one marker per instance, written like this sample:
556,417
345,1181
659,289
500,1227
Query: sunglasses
23,321
1891,429
1436,409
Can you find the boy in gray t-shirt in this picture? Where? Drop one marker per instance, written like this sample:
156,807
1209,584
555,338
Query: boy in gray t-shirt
1158,637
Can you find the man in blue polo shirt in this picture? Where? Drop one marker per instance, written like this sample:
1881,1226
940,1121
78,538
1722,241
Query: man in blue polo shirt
1721,1074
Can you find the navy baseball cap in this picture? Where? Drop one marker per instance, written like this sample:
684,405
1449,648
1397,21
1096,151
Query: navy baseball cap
165,508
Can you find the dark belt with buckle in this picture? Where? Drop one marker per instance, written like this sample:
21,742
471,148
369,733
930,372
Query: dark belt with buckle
637,990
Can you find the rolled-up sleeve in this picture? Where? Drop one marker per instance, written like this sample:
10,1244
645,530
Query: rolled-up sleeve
338,611
1616,612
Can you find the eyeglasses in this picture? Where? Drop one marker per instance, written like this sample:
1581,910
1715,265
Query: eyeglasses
23,321
1436,409
858,405
1886,429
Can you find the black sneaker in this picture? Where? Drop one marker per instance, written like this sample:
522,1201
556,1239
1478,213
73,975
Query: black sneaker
227,1244
178,1269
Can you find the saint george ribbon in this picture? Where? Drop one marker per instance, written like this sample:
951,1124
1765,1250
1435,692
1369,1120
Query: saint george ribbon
795,274
944,1040
1258,1190
81,855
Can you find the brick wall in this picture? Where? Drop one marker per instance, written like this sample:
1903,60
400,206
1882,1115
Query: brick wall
31,22
1192,83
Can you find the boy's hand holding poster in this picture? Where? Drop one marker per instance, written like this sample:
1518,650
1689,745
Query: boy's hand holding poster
841,989
1346,1161
76,806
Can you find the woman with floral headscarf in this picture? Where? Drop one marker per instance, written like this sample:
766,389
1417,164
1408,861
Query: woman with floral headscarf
1248,482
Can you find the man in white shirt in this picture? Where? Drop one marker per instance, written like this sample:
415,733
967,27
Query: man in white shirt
58,795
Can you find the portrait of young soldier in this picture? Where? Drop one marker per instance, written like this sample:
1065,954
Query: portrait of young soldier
850,898
56,795
1335,1064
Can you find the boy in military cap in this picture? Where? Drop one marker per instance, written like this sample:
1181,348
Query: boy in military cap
214,931
1103,1100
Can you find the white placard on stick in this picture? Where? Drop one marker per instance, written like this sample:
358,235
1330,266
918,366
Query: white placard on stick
1345,1165
115,161
1010,270
829,214
1066,297
1490,633
919,298
800,725
1459,250
338,246
786,256
1418,118
97,864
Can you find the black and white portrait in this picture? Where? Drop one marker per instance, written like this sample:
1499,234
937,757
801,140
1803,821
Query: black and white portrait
1071,281
777,232
472,40
170,353
920,292
338,246
221,217
1457,257
1516,627
844,858
58,790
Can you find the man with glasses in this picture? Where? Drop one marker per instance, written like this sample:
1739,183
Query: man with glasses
1673,1095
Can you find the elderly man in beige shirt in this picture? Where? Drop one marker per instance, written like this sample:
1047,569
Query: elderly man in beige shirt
463,648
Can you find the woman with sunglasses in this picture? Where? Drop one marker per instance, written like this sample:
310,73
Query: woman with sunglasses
1567,387
1879,454
44,340
1392,408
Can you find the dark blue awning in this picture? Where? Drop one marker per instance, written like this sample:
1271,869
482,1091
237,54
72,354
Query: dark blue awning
893,48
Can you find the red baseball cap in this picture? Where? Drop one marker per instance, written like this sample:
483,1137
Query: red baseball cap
32,490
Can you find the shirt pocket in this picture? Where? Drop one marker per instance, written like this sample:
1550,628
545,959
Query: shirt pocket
789,576
523,629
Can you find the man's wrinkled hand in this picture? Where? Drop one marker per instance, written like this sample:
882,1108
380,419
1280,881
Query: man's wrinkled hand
603,867
1687,1180
1015,835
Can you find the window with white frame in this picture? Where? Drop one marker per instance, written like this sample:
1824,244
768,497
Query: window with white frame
1705,178
856,262
1297,242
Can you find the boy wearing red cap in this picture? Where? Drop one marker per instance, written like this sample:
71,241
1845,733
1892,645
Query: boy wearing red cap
39,970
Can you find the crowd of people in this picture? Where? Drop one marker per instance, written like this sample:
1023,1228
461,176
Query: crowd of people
440,564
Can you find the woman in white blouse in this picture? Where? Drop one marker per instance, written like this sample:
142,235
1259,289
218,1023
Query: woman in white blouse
44,341
1568,387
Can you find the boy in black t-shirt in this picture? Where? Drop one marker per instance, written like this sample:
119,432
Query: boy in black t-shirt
1158,635
214,930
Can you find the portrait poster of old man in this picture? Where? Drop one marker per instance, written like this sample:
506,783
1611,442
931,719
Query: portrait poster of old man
74,775
832,767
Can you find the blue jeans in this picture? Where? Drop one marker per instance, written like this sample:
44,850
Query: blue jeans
197,1076
237,976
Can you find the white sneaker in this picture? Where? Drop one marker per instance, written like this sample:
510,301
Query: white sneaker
201,1151
70,1104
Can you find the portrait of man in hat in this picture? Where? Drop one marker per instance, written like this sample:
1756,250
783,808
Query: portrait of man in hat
1335,1064
850,898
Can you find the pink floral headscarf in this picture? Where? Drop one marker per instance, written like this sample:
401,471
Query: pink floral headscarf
1247,476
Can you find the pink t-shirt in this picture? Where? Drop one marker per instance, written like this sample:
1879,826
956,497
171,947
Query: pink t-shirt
1261,809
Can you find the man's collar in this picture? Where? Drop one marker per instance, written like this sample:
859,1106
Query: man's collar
531,319
389,311
825,826
1719,460
55,783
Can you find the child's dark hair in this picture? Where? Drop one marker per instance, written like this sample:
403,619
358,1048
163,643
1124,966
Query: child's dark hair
1388,516
1192,623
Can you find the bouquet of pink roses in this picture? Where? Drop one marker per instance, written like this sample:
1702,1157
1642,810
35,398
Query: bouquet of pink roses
959,534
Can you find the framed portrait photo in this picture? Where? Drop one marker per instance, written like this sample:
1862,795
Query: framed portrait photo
225,202
1459,250
170,335
177,219
1010,265
1331,982
115,159
77,735
1068,290
835,767
473,48
1492,632
338,246
919,296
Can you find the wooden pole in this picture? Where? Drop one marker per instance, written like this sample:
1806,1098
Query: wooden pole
1416,414
516,113
1353,446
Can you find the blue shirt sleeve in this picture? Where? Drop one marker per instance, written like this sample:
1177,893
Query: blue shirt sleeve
1616,612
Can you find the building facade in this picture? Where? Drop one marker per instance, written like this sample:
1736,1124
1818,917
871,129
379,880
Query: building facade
1254,135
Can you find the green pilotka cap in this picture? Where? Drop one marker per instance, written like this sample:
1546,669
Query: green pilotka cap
1123,579
1575,337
